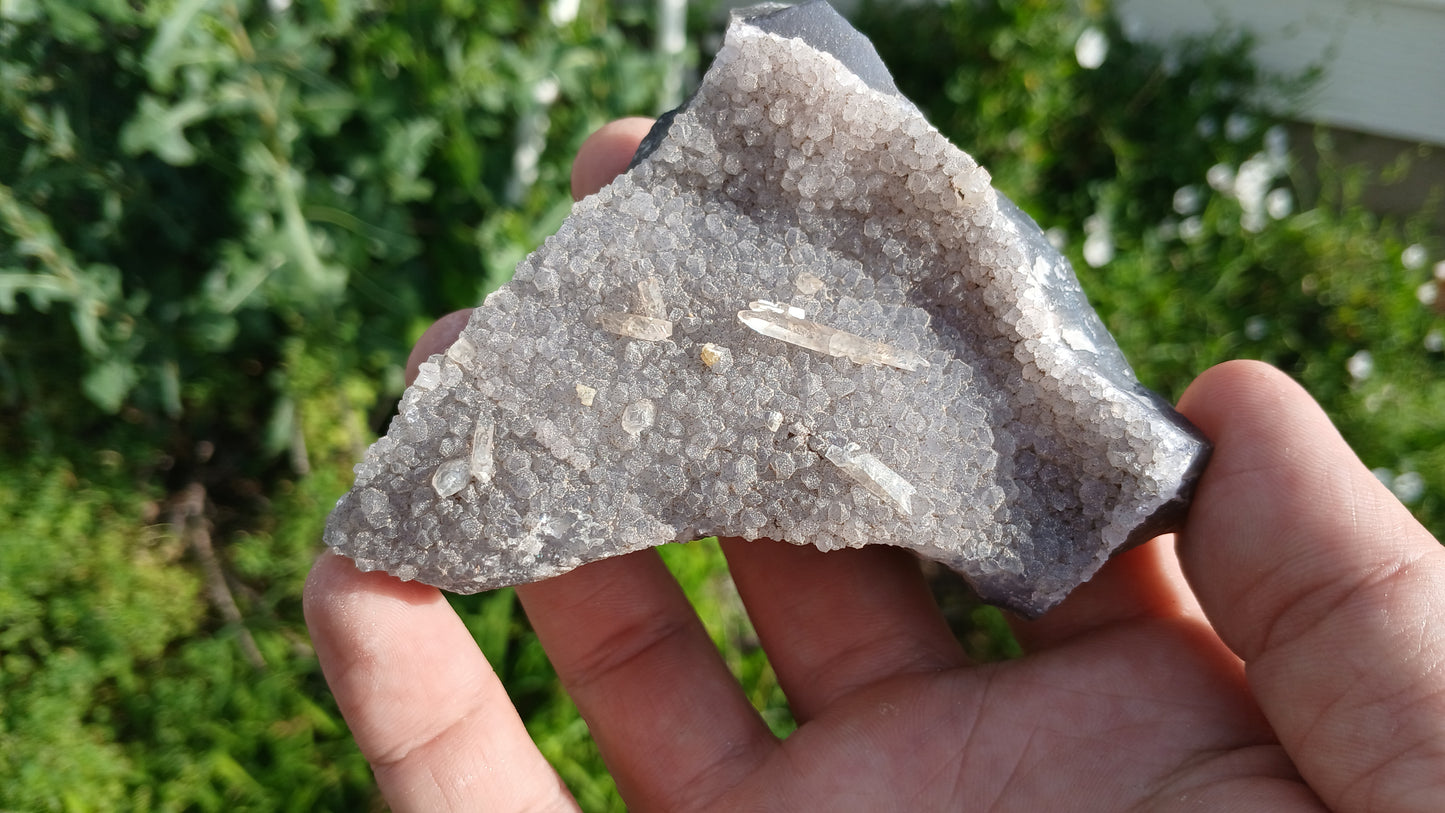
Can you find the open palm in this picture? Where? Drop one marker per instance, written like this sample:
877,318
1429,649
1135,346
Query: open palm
1299,665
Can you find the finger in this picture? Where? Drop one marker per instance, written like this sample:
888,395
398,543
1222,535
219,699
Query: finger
436,339
424,706
1141,584
605,154
1325,585
672,723
835,622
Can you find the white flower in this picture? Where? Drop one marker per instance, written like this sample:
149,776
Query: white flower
1427,293
1099,249
1409,486
1256,175
1098,240
1191,229
1057,237
1414,257
1187,200
1256,328
1249,185
1220,178
1434,341
1091,48
1361,365
1279,203
546,90
563,12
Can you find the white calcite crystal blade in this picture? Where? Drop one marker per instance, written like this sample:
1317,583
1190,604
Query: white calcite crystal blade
802,314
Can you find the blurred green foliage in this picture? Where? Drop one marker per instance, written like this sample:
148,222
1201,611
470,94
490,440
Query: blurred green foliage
223,223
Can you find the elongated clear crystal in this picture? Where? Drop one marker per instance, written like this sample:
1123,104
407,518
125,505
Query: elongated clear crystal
633,326
649,299
482,465
823,339
776,307
874,475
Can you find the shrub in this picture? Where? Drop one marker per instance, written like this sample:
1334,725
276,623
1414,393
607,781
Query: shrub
221,226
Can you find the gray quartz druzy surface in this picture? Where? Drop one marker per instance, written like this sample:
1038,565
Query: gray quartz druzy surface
801,315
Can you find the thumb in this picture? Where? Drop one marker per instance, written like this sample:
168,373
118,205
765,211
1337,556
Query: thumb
1325,585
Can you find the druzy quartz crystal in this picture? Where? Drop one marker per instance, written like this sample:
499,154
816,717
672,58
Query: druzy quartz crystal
803,315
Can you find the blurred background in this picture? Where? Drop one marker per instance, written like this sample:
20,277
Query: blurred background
223,223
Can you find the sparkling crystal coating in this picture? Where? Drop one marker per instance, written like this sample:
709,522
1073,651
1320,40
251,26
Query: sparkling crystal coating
818,323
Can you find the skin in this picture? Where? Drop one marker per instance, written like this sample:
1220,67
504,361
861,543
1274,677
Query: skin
1281,654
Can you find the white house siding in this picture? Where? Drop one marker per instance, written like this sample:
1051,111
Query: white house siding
1383,61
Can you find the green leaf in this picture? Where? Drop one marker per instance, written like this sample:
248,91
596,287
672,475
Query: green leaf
167,49
408,145
108,383
160,129
72,23
20,11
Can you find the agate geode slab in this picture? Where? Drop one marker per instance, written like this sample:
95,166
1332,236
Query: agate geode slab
803,315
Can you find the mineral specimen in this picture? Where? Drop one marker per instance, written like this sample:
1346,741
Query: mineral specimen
802,314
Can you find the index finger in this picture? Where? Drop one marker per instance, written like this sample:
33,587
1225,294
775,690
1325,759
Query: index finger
421,701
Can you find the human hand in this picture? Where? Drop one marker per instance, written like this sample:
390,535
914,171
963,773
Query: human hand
1283,654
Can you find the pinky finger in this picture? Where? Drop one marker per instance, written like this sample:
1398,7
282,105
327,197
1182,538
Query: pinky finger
422,702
